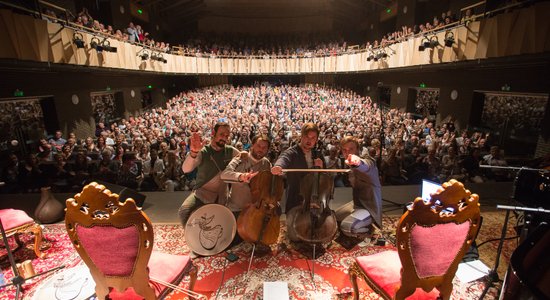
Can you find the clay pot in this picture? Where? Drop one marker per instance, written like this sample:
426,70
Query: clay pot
49,210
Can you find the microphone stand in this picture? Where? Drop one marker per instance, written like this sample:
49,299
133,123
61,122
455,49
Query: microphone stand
382,142
17,279
493,275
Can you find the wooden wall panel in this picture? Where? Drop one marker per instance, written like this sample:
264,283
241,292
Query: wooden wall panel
8,38
520,31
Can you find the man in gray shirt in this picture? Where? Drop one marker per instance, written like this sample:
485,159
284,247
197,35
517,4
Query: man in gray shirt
242,169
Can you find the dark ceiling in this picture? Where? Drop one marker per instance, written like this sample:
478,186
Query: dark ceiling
179,13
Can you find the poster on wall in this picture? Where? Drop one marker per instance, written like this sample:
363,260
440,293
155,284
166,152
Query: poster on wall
104,108
20,120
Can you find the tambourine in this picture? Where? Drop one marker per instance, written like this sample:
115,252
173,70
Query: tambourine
75,283
210,229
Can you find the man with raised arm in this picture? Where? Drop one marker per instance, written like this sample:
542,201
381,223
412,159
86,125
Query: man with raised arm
210,160
367,190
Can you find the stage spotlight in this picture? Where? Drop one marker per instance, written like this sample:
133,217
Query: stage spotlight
107,46
160,57
371,56
96,44
434,42
143,54
78,40
449,39
424,44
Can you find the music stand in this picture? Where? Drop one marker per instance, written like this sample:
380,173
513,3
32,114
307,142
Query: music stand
17,279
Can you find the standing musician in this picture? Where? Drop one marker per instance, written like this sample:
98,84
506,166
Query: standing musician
210,160
240,171
301,156
367,191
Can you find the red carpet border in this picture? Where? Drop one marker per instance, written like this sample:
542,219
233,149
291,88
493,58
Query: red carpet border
331,279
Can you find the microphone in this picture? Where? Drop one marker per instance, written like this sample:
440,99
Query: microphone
315,153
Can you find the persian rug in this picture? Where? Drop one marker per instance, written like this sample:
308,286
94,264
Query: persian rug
218,278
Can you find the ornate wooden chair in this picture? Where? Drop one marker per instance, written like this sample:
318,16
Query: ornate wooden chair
17,222
115,240
432,237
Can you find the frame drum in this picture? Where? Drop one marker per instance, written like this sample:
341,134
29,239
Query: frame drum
210,229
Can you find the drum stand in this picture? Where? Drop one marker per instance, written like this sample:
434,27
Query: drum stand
17,279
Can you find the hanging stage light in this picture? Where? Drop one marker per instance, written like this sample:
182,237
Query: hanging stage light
161,58
107,46
434,42
449,38
143,54
78,40
158,57
425,43
96,44
371,56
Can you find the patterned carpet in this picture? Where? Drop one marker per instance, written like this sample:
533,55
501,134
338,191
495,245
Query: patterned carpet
331,279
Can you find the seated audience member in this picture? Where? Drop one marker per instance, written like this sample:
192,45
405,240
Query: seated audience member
107,169
391,168
30,176
57,141
173,175
153,172
433,164
451,167
10,175
130,174
471,165
494,159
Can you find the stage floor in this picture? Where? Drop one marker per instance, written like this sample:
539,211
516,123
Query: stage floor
162,207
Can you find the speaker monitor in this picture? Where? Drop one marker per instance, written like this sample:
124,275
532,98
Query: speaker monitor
125,193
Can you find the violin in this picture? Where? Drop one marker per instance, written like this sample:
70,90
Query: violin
314,222
259,222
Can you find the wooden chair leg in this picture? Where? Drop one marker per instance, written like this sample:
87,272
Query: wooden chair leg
37,231
353,279
404,291
445,290
192,278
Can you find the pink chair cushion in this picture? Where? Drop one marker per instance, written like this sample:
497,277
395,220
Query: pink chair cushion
163,266
384,270
113,250
13,218
166,267
434,248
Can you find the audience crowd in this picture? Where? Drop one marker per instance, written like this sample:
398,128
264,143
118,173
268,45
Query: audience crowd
304,45
145,152
522,115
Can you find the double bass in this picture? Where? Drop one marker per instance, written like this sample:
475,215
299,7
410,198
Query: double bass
259,222
313,222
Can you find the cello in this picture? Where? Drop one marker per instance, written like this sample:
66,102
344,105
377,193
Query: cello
259,222
313,222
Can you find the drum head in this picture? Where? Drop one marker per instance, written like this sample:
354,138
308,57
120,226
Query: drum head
75,283
210,229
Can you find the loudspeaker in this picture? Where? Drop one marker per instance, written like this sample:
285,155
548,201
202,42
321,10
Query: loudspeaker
125,193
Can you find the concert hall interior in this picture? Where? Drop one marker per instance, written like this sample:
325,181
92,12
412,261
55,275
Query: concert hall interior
276,149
